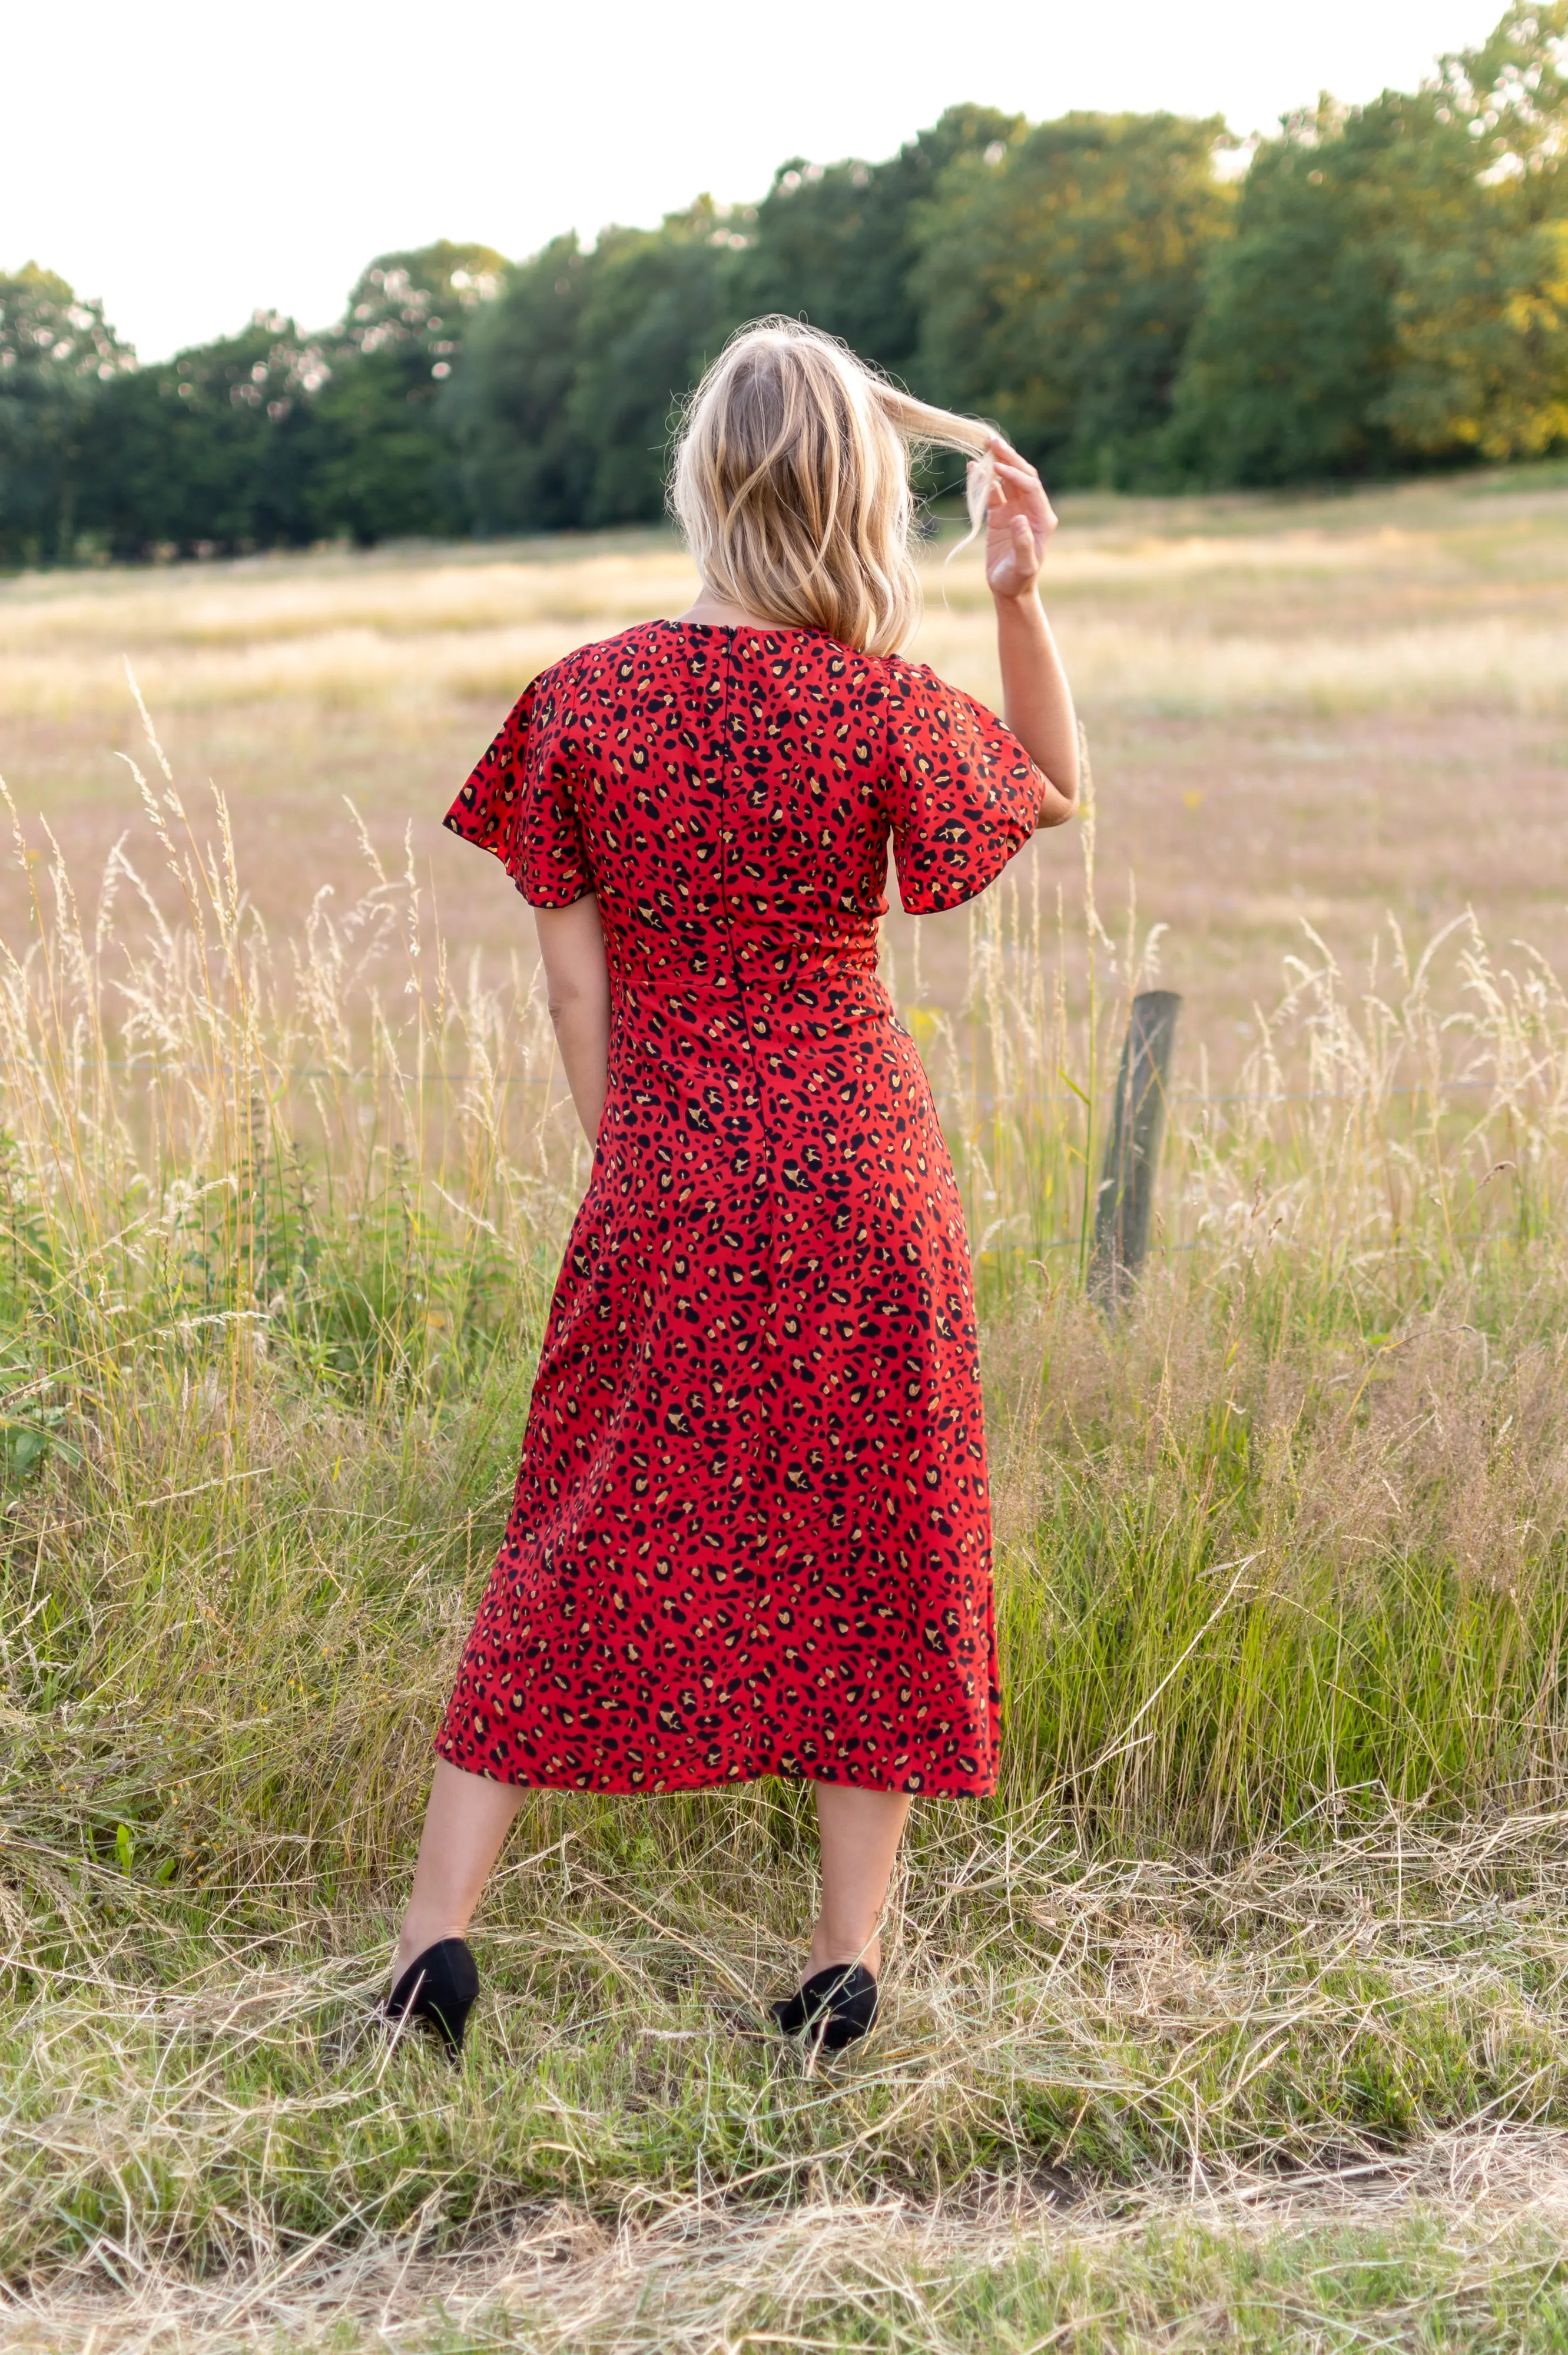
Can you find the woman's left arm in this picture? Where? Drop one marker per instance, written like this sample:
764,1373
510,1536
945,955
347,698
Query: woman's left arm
577,990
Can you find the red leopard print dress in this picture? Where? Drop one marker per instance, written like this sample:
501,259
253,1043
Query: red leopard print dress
751,1531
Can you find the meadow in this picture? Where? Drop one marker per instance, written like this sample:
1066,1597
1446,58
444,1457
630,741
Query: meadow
1240,2013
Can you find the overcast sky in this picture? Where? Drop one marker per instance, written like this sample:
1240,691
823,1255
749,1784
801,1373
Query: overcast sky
193,164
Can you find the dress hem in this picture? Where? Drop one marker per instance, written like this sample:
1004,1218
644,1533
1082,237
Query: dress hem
591,1786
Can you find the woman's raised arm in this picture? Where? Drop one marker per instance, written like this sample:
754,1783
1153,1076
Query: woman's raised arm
1037,702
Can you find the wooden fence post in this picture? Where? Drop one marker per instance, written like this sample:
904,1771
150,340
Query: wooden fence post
1125,1204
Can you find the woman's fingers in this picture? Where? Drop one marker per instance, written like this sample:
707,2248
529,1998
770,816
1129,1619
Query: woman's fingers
1004,454
1021,517
1024,485
1025,491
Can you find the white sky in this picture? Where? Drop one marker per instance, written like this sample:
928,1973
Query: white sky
192,164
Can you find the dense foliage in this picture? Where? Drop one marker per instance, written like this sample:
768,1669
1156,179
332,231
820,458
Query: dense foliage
1058,281
1395,287
1385,286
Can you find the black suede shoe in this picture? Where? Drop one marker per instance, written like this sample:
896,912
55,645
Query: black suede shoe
836,2006
438,1989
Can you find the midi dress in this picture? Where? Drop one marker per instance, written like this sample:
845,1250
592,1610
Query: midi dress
750,1533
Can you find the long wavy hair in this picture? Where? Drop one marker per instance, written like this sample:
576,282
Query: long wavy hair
791,485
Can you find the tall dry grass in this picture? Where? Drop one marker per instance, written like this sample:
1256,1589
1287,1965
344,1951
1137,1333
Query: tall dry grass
280,1223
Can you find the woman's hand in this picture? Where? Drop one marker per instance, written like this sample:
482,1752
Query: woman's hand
1020,520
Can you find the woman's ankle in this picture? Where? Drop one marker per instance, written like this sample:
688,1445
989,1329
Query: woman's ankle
827,1952
416,1938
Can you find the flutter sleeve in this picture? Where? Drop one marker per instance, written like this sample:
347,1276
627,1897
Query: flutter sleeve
964,794
517,805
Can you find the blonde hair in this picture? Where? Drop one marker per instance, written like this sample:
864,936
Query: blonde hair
791,485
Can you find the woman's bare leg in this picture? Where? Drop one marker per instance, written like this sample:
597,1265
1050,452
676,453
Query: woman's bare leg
467,1819
469,1816
860,1834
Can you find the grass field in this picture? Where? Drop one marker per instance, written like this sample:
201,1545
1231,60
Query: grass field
1321,709
1240,2016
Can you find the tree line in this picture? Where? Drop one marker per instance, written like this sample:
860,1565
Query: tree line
1382,286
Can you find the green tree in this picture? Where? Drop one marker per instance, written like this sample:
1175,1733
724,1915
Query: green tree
837,243
524,464
55,354
1397,286
1294,349
1060,274
381,465
213,451
657,308
569,384
1480,308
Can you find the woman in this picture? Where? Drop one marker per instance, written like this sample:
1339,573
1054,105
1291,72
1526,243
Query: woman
752,1531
